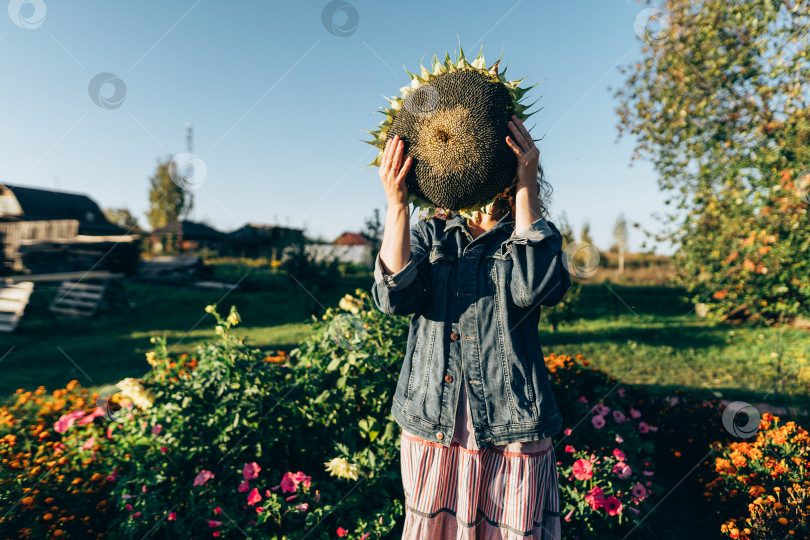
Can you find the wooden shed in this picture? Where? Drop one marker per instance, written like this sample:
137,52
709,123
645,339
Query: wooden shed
51,231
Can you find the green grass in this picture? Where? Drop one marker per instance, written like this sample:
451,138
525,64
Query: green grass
641,335
650,336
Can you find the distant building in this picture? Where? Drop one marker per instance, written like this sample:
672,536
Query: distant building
352,239
59,231
20,203
183,236
254,240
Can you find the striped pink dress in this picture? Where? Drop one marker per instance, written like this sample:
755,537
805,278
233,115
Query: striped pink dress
461,492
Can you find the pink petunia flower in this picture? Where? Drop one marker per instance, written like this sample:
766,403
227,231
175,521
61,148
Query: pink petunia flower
128,507
638,491
601,409
595,498
622,470
92,416
613,506
341,532
635,414
567,431
259,509
621,392
156,429
251,471
647,473
213,523
291,497
202,477
172,516
643,427
365,536
302,507
583,399
88,444
568,515
290,481
217,510
583,469
137,514
618,454
244,486
164,449
598,421
110,429
618,416
619,438
254,497
569,449
66,421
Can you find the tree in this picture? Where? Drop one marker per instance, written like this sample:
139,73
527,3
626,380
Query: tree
620,238
373,230
168,199
585,237
123,218
718,102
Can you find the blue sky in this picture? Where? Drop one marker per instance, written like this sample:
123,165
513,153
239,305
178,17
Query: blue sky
277,102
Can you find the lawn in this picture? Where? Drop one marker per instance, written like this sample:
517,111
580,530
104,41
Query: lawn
642,335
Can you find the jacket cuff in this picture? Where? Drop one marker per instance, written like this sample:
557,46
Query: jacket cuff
398,280
534,233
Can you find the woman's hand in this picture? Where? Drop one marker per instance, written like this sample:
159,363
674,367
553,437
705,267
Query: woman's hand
527,204
528,155
392,176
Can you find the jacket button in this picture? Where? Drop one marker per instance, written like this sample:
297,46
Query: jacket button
454,336
440,435
448,378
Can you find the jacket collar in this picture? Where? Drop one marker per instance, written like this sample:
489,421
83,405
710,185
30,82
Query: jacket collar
460,221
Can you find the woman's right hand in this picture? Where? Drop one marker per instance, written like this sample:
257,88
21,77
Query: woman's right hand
393,172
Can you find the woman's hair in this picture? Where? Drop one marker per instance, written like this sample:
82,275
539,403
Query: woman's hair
506,202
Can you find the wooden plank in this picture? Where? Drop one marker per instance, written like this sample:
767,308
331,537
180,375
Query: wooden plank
66,276
77,286
13,301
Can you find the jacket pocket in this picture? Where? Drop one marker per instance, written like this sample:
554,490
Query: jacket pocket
441,258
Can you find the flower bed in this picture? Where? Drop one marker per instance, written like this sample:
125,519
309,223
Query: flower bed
238,441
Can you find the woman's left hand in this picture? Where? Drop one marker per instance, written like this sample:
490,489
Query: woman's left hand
528,155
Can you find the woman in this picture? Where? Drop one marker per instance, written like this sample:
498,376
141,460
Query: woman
473,396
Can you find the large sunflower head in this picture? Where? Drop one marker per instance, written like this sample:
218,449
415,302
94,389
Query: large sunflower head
454,122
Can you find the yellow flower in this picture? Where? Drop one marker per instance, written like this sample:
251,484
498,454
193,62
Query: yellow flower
233,319
210,308
151,359
135,391
349,303
341,468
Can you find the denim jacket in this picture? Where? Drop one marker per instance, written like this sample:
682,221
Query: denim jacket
475,305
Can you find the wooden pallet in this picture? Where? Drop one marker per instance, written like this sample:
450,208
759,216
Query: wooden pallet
74,298
13,300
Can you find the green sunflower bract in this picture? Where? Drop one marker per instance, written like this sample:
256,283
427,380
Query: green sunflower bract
454,122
